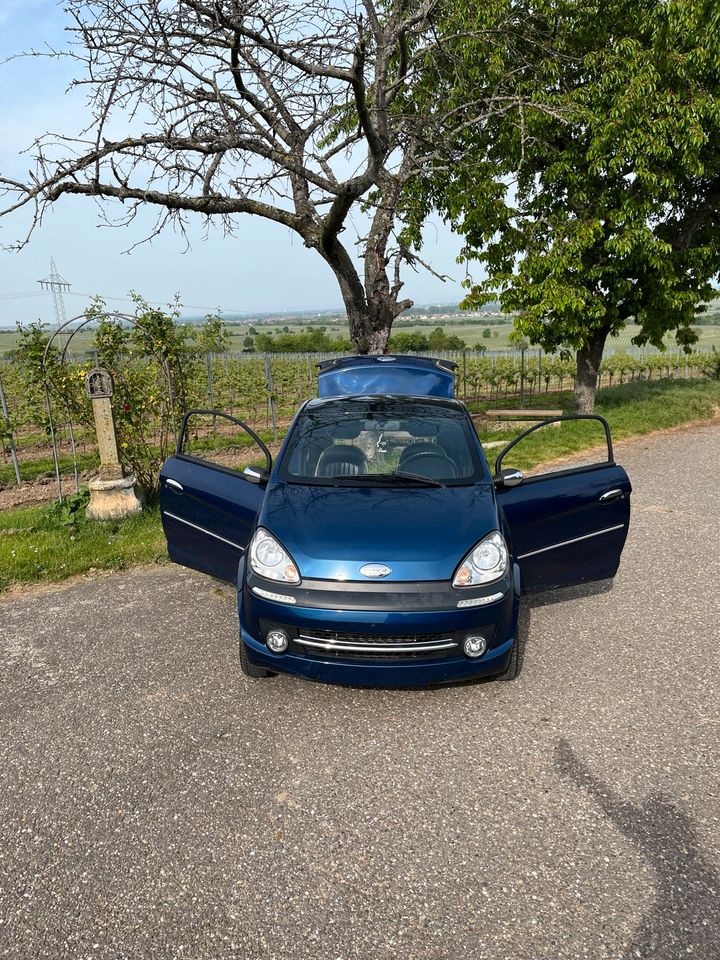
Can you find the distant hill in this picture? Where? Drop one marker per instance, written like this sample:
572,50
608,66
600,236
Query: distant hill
306,317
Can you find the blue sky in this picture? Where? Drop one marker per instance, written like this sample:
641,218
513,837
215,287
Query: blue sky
263,268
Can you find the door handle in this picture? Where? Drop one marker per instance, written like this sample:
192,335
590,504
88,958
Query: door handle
173,484
611,495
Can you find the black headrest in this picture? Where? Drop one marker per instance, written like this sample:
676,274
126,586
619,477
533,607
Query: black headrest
347,429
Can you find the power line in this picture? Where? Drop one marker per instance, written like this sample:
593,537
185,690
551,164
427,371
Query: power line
27,295
57,286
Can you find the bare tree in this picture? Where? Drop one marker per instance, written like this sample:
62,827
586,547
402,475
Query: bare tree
297,111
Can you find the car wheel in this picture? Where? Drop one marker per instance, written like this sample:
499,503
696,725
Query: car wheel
522,631
249,669
513,668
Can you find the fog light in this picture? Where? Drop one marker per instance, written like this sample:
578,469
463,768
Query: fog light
475,646
277,641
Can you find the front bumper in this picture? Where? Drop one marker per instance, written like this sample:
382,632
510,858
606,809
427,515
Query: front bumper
337,632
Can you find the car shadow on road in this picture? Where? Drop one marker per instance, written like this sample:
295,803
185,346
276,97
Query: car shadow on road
532,601
684,920
563,594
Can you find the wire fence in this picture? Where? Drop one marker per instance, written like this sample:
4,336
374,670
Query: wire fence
266,390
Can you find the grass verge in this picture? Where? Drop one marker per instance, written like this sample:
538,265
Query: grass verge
52,543
632,410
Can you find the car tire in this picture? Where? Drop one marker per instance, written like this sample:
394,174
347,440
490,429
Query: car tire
513,667
249,669
522,632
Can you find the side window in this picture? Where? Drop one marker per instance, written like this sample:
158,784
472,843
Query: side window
567,443
224,441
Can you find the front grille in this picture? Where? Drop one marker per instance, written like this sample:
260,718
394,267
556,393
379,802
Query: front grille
367,645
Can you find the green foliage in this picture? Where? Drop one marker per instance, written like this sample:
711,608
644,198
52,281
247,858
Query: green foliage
71,511
156,370
408,343
52,543
712,369
212,336
38,364
439,340
55,542
315,341
145,416
595,199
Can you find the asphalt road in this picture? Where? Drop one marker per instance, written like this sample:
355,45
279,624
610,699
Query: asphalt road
156,804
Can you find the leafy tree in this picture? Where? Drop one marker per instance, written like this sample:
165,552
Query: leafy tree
299,113
603,207
212,336
439,340
408,343
317,341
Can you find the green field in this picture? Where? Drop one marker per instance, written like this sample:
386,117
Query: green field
470,329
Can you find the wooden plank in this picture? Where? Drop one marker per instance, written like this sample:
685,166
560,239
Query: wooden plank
537,414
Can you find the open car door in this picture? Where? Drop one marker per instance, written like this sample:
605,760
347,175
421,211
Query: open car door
568,525
208,509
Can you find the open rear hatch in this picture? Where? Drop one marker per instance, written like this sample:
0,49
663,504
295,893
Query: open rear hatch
386,375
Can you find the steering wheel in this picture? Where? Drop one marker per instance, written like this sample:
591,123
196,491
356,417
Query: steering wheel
437,465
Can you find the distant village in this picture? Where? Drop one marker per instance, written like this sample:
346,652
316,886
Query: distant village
417,316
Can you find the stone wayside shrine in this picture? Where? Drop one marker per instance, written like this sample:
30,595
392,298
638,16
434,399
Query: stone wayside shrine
112,493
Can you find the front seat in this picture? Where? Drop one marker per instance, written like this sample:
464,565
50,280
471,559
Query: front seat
417,447
431,464
341,460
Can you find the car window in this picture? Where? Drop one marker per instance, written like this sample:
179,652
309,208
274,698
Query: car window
215,438
552,448
383,441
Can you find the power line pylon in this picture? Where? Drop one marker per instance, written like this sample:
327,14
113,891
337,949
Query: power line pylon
57,286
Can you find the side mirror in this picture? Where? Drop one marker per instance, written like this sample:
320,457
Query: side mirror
508,477
256,475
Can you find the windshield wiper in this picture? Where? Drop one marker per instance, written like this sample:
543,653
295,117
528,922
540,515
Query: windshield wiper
389,478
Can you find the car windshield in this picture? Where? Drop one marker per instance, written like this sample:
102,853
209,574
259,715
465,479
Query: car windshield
383,442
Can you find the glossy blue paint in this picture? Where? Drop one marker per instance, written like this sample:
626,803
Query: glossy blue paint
380,673
398,375
562,532
421,533
209,521
559,529
501,619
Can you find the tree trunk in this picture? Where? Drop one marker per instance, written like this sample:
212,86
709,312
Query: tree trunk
589,358
370,323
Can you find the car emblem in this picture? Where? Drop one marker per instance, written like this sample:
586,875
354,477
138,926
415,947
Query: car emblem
375,570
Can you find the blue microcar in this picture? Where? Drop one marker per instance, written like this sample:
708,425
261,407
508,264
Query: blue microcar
379,549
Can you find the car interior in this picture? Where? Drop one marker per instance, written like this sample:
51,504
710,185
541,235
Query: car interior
355,446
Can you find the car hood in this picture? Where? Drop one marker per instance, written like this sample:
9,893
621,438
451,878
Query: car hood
421,533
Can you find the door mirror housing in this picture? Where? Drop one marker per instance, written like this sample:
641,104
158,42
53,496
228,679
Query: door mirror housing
508,477
256,475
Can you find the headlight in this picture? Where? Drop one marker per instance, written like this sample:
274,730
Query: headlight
486,562
270,560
